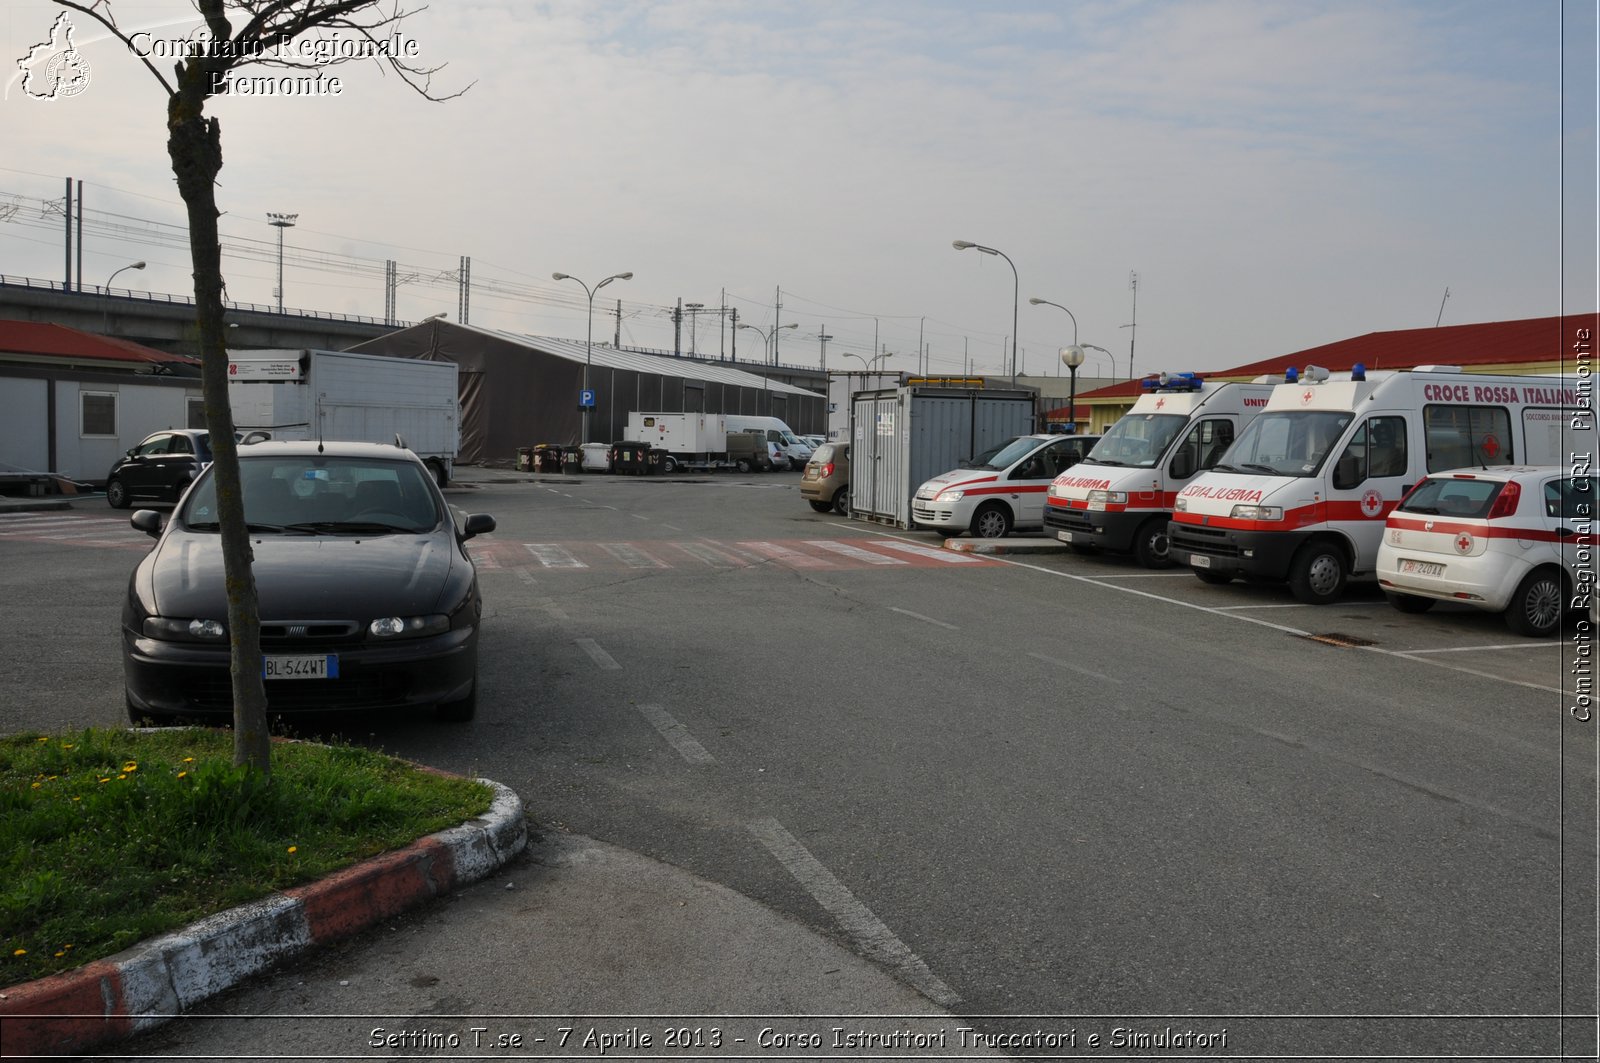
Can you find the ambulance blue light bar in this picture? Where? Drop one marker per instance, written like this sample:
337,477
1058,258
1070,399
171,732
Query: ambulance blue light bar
1172,382
1358,372
1291,375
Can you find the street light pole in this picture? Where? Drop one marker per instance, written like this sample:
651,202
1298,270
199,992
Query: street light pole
1016,293
1072,357
766,344
105,324
280,222
588,347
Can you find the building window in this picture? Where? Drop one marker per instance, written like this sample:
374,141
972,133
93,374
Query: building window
98,413
197,414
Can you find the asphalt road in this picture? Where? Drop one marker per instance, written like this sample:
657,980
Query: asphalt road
1033,784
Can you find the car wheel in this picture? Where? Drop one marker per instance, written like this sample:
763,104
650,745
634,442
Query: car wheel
1216,579
459,711
841,502
1318,573
742,465
820,507
992,521
1150,544
668,465
1411,603
1535,609
440,477
117,494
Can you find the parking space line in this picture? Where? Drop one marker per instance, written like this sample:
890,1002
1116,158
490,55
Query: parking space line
599,656
1281,605
1145,575
676,734
919,616
868,931
1059,663
1498,646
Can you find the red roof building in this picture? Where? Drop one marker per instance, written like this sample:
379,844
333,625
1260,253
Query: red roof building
39,343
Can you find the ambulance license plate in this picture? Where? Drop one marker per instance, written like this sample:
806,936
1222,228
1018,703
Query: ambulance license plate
1064,536
1199,561
313,666
1421,568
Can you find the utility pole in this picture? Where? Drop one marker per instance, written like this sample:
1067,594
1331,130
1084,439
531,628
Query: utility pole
1133,326
464,293
66,216
617,343
733,335
80,234
777,315
824,338
1435,320
677,330
920,369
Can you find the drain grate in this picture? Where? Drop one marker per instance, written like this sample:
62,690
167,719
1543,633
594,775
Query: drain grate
1333,638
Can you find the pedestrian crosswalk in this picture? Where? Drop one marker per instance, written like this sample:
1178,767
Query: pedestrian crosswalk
72,528
713,554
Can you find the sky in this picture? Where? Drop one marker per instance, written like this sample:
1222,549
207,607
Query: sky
1200,183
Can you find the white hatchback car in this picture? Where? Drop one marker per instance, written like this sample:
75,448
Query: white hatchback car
1515,539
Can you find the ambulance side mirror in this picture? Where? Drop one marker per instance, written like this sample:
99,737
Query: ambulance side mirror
1183,464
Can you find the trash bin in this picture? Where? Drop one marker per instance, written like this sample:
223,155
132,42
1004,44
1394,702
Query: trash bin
630,459
524,459
547,457
572,460
596,457
656,460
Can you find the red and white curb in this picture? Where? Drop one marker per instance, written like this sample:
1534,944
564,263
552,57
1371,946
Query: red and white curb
142,987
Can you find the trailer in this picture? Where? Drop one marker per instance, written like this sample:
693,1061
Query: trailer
699,441
310,394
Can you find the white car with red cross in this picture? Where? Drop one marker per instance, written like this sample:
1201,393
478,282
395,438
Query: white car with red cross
1517,540
1001,490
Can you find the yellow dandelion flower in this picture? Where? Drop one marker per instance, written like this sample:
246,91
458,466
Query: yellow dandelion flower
181,774
130,766
294,848
37,785
77,799
60,953
46,738
188,760
104,779
121,777
68,745
20,952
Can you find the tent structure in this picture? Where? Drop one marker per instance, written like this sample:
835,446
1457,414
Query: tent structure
518,390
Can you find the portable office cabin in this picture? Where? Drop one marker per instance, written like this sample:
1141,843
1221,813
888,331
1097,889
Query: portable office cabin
901,437
517,390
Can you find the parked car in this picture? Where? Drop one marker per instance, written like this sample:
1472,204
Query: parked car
163,465
1000,490
813,441
368,598
778,461
825,484
1503,539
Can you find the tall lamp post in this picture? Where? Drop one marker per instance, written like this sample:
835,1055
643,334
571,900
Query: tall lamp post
1110,358
586,399
280,222
766,357
105,324
1072,357
1058,306
1016,293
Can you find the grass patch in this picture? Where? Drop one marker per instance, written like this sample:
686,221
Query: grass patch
108,837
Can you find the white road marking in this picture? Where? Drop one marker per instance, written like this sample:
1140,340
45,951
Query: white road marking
552,556
1289,605
1144,575
867,930
599,656
786,555
936,553
1500,646
919,616
631,555
676,734
856,552
672,527
637,516
713,556
1059,663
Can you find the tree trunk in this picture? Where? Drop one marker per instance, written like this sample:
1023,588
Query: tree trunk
194,143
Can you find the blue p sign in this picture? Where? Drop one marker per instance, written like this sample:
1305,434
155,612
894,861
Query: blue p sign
586,397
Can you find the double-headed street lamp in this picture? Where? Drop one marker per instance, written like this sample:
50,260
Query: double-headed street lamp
586,400
1016,293
766,343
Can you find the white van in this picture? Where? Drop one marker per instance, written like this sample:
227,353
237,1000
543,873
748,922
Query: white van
1120,497
1303,493
791,445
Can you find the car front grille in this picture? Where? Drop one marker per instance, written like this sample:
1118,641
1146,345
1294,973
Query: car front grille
1213,541
309,634
1062,517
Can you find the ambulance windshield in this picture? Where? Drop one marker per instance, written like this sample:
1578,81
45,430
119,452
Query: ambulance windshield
1138,439
1291,443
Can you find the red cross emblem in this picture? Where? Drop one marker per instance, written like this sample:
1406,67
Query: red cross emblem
1463,543
1305,398
1160,403
1491,446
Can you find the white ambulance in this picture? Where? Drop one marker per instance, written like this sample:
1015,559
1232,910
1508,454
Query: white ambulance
1303,493
1120,497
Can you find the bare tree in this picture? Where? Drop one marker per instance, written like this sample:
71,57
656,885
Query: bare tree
271,34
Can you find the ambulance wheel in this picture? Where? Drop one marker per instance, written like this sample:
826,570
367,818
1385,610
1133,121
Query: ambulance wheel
1216,579
1318,573
1150,544
992,521
1535,609
1411,603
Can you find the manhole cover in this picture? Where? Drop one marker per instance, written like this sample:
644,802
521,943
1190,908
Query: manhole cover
1333,638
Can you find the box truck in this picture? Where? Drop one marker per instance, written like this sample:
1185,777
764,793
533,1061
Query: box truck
1303,493
699,441
1120,497
310,394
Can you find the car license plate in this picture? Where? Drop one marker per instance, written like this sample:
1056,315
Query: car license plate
1064,536
1199,561
1421,568
317,666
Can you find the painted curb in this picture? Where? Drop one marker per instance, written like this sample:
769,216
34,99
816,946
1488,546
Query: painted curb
142,987
998,546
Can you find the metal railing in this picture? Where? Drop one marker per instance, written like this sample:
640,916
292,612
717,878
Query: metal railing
9,281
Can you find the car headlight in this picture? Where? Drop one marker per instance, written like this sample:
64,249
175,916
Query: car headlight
181,629
408,627
1100,499
1258,512
949,496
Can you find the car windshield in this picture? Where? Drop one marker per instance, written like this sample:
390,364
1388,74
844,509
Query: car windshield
1138,439
1291,443
323,494
1007,455
1451,497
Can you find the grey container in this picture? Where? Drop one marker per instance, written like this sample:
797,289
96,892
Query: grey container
902,437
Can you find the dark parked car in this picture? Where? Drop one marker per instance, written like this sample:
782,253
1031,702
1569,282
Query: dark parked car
160,468
368,598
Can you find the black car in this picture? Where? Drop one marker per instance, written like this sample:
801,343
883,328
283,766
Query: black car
367,596
160,468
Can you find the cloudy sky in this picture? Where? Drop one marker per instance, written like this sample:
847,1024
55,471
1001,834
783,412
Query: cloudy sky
1276,175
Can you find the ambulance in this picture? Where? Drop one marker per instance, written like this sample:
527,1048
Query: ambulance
1303,493
1120,497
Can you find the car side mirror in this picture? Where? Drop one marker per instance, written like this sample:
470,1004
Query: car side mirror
1183,464
477,524
147,521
